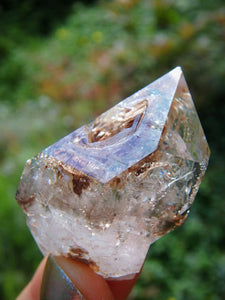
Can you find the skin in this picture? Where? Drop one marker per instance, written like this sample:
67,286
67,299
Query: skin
91,285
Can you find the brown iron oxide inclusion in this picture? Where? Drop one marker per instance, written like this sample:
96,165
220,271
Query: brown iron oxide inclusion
80,254
80,183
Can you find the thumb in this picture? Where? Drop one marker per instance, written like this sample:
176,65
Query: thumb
64,278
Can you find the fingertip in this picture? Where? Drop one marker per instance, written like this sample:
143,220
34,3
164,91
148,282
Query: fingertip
91,285
32,290
122,288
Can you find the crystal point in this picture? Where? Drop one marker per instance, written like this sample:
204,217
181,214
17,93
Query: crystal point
104,193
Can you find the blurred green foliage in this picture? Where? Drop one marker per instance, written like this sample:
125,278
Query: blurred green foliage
87,58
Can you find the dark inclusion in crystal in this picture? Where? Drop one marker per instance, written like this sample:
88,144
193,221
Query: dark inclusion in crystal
109,189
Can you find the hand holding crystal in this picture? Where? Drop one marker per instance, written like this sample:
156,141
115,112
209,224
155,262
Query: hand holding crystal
104,193
50,282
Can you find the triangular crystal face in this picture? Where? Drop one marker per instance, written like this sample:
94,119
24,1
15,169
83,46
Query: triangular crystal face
108,146
104,193
183,133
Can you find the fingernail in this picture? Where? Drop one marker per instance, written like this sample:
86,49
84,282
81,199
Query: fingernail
56,285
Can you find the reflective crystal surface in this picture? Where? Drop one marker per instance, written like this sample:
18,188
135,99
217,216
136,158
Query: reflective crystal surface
109,189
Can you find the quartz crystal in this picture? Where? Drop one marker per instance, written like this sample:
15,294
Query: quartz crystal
104,193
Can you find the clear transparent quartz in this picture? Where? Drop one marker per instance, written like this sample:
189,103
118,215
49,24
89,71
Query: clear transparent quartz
104,193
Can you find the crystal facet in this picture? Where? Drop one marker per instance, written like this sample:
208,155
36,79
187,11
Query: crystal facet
104,193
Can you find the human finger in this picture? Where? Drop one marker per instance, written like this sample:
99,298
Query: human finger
61,278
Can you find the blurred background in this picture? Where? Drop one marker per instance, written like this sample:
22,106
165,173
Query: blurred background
62,63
